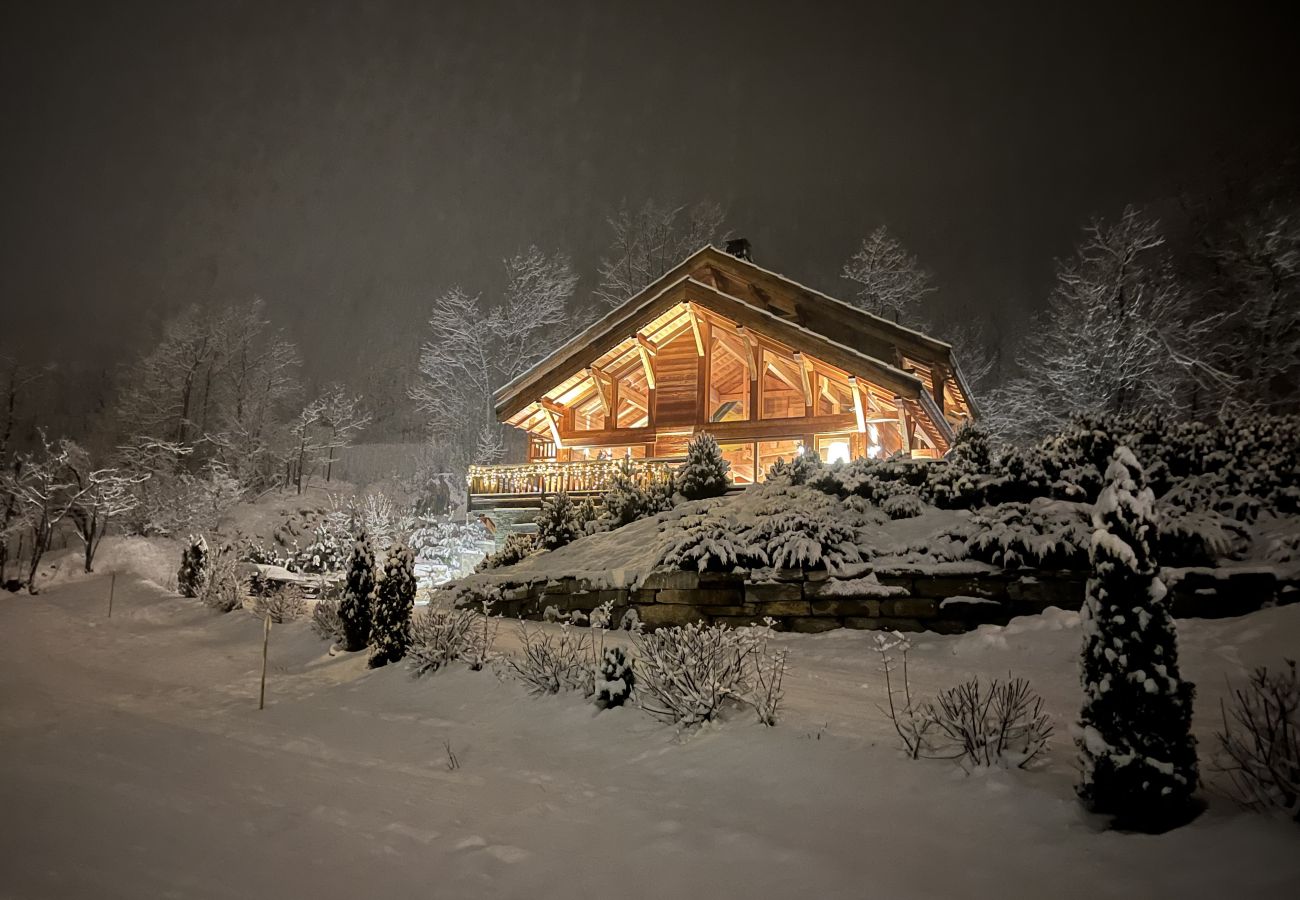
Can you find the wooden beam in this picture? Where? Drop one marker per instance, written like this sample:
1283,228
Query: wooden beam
727,432
553,420
858,412
695,329
805,375
904,425
646,344
598,379
646,364
750,350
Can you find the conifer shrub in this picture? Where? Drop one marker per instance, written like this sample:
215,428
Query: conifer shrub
325,619
194,562
390,626
357,601
614,678
705,472
517,547
284,604
220,586
1137,753
559,522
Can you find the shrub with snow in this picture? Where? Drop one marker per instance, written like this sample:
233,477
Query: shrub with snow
714,544
628,499
517,547
688,674
1047,536
804,467
1137,753
960,482
804,539
442,636
560,521
394,600
325,619
194,561
614,678
549,661
1001,724
903,506
1260,741
705,472
221,587
357,602
284,604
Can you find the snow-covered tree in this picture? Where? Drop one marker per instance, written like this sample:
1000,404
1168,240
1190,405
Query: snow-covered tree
649,241
1256,285
394,601
356,604
475,346
106,495
46,491
194,567
1115,339
341,417
1136,750
559,521
614,678
704,473
891,282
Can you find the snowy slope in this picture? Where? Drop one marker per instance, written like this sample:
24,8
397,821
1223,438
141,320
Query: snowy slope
134,763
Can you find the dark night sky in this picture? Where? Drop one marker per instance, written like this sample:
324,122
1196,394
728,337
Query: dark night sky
347,160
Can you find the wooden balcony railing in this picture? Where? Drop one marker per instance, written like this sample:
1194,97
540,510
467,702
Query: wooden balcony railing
571,477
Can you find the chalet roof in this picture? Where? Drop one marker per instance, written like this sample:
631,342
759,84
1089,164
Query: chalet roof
855,340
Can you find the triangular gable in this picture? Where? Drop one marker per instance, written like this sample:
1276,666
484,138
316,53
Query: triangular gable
804,318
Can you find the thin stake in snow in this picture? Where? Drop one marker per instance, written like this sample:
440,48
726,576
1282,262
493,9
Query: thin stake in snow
266,640
112,585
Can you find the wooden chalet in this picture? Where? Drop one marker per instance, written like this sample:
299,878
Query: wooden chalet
718,344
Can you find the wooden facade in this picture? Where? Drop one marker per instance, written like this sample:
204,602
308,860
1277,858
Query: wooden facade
767,366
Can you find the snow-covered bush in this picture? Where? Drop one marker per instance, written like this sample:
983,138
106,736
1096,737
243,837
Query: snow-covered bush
1195,538
805,466
560,522
221,587
1284,548
804,539
194,563
1003,724
688,674
1137,753
550,662
442,636
903,506
911,719
706,543
327,552
383,518
705,472
873,480
517,547
628,499
284,604
1260,741
356,605
326,621
394,600
1047,536
444,545
614,678
960,482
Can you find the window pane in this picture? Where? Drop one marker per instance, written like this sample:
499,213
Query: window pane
728,398
834,396
781,390
633,397
741,457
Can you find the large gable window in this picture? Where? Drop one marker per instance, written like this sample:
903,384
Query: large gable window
728,390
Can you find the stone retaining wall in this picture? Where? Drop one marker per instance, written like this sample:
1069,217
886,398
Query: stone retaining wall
901,599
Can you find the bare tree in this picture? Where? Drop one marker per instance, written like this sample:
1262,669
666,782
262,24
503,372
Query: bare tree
342,418
307,440
539,289
47,492
891,282
651,240
16,380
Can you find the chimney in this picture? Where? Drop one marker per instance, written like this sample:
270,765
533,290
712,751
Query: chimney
739,248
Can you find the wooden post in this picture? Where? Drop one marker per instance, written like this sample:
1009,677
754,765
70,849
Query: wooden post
112,585
266,639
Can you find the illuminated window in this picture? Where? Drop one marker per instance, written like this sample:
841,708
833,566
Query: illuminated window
589,415
633,394
741,457
728,395
771,451
833,395
781,389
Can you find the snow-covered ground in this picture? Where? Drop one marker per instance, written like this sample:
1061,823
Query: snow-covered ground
134,763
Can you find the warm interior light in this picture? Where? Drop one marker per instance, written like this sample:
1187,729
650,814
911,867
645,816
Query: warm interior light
837,451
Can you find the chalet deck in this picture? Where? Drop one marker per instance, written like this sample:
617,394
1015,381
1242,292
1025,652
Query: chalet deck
719,345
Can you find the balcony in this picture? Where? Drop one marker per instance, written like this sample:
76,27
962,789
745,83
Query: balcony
531,481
